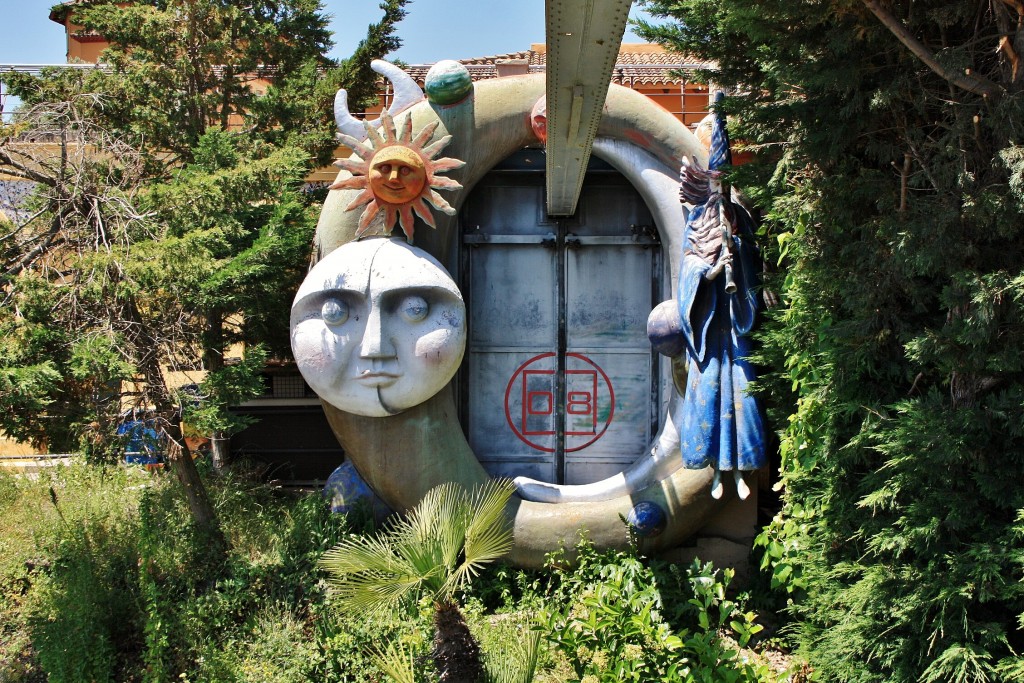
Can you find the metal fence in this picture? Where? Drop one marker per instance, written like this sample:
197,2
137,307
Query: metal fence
10,103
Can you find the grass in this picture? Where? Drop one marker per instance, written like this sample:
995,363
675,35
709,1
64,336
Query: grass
103,578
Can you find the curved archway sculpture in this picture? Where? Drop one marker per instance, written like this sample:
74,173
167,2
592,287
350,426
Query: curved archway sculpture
402,456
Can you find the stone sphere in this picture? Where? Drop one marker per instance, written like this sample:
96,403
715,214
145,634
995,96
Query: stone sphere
448,82
647,519
665,329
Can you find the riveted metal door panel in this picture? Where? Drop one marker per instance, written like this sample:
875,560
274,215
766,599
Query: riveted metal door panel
513,320
512,422
608,294
559,382
512,295
610,277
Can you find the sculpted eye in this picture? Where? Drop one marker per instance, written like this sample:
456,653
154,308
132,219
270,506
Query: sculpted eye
414,308
334,312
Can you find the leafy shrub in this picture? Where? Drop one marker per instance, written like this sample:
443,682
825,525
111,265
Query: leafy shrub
193,607
112,582
350,642
275,648
103,577
80,610
618,619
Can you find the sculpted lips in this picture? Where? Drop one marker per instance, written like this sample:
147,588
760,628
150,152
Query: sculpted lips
376,377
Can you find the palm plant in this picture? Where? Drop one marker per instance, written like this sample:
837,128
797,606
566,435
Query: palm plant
435,551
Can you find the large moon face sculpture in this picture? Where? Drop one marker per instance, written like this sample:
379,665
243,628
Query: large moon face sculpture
378,327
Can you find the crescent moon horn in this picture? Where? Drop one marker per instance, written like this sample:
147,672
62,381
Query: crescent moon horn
661,460
347,124
406,94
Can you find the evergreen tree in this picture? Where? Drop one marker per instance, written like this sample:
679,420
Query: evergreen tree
355,73
169,219
891,175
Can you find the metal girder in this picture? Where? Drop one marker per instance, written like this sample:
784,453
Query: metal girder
583,39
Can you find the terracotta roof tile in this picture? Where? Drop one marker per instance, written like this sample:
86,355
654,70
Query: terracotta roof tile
637,63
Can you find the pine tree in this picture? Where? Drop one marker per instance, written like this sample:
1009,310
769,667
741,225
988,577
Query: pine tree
169,219
891,177
355,73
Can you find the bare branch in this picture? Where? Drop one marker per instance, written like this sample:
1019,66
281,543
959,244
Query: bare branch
971,82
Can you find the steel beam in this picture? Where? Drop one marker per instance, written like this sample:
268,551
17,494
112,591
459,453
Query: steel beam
583,39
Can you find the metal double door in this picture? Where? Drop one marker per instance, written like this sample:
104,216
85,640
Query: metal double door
560,383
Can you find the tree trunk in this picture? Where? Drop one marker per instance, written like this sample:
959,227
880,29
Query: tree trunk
180,460
456,654
179,457
213,361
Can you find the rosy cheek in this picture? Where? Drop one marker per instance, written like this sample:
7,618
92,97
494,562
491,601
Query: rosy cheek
438,347
318,349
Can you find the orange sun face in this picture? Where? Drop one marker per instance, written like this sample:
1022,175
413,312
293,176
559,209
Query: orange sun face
396,174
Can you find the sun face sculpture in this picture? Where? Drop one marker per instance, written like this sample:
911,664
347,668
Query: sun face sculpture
397,175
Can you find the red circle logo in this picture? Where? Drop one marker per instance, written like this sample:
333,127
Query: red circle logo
530,409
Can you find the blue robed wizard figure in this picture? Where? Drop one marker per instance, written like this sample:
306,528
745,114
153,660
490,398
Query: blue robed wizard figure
717,296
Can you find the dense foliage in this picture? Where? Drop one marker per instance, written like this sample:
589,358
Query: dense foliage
102,579
616,618
168,219
167,216
889,172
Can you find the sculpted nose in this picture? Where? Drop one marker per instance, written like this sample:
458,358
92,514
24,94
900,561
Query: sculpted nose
394,173
376,339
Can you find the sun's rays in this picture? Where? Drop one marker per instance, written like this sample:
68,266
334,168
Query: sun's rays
362,161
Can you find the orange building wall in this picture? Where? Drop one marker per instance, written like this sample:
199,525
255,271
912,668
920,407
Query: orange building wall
85,48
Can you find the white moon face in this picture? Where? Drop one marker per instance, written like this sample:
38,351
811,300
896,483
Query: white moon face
377,327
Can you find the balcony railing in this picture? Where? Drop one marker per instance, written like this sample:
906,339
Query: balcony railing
8,103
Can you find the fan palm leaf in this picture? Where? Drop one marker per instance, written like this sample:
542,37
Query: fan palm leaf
435,550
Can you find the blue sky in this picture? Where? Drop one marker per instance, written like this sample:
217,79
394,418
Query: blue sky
433,29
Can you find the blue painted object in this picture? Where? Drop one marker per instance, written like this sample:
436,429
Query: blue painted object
142,443
345,490
647,519
717,297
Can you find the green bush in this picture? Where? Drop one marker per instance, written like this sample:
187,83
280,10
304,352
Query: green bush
80,603
617,618
893,199
103,577
275,648
193,607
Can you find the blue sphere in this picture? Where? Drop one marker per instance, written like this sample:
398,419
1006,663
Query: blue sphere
345,489
665,329
647,519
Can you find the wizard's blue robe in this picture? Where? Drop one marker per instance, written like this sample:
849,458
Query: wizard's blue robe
721,423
